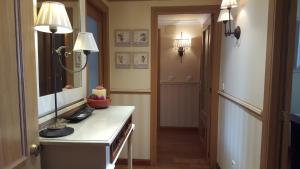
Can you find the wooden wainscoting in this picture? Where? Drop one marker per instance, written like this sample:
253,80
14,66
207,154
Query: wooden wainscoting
140,117
179,104
252,110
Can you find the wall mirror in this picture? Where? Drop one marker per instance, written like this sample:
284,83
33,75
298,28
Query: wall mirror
71,60
71,87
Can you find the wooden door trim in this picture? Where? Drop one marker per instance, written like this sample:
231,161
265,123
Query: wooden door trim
216,44
286,132
103,10
274,94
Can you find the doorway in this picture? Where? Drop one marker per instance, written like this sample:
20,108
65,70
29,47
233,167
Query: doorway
181,123
97,23
290,125
213,10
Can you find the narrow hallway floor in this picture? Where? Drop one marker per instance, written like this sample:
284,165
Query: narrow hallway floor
177,149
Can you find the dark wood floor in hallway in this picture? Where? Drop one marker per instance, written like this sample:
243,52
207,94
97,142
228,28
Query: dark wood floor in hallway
177,149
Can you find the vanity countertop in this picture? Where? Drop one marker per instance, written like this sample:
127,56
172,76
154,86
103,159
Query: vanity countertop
101,127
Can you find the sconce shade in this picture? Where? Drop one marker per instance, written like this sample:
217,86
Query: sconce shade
53,15
85,42
224,15
184,42
228,4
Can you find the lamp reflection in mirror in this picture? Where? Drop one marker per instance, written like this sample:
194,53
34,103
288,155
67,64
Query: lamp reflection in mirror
85,43
182,43
226,17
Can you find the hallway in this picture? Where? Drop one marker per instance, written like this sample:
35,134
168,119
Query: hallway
178,149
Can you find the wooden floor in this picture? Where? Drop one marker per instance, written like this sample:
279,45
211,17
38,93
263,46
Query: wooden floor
178,149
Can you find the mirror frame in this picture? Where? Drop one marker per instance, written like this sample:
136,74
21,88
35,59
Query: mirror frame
46,103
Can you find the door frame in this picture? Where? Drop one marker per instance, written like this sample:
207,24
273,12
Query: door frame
20,21
103,12
278,81
205,30
216,44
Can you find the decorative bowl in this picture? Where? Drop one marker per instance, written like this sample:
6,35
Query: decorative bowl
99,104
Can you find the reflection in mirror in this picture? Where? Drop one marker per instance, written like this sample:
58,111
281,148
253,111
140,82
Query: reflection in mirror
71,60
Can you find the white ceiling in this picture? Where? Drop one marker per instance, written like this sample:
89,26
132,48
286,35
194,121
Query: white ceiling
182,19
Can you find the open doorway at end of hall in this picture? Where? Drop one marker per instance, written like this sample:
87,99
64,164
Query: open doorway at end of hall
184,90
97,23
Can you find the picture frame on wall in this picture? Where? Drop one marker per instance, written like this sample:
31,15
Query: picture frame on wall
140,38
140,60
123,60
78,63
123,38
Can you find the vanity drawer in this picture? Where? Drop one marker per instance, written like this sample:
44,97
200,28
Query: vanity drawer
119,140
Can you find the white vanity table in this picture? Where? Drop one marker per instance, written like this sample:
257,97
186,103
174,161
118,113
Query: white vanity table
95,144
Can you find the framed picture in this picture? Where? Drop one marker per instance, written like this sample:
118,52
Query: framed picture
140,37
141,60
122,38
123,60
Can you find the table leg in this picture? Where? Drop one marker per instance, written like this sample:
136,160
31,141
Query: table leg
129,155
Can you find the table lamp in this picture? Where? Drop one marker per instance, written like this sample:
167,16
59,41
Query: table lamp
53,18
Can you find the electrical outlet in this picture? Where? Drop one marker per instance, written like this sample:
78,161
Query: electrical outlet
233,164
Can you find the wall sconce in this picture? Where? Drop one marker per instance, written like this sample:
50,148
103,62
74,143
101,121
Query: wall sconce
182,44
226,17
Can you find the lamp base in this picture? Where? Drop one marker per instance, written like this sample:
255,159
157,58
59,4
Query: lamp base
237,32
57,129
54,133
57,125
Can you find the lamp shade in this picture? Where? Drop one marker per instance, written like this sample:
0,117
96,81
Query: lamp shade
183,41
85,42
224,16
53,15
228,4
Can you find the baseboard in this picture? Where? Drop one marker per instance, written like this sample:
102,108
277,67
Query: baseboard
218,166
178,128
134,161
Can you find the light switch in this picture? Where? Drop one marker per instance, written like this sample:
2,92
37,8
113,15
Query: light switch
188,78
171,77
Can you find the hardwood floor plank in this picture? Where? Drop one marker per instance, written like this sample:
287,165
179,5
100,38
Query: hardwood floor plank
177,149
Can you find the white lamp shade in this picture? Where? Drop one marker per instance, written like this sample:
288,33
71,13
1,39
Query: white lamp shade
183,40
228,4
85,42
185,43
224,15
53,15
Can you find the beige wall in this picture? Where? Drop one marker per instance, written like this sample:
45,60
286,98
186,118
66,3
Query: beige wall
243,74
179,82
170,65
243,61
137,15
